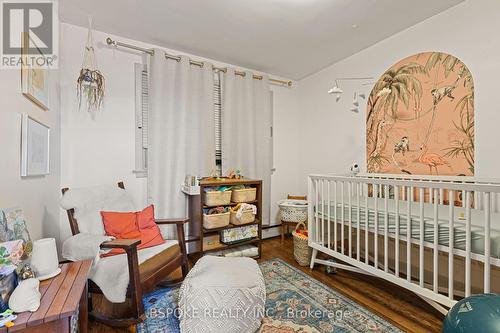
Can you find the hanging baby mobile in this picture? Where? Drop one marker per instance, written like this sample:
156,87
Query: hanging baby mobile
90,83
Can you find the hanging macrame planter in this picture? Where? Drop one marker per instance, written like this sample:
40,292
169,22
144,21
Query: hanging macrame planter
90,83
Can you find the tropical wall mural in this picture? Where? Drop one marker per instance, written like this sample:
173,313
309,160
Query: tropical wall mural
420,118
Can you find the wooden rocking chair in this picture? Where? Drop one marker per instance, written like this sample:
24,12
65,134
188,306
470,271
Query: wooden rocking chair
144,277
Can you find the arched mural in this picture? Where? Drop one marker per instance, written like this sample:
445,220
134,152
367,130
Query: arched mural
420,118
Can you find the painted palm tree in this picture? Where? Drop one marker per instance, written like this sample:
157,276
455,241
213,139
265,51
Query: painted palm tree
465,146
448,63
394,86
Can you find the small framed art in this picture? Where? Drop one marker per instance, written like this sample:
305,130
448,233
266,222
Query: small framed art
34,80
35,147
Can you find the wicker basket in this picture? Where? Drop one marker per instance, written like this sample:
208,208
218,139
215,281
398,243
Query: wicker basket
301,250
293,210
244,195
213,221
246,217
217,198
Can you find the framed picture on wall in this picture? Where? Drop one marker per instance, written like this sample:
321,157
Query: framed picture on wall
34,80
35,147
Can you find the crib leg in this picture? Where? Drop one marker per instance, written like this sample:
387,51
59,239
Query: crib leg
313,258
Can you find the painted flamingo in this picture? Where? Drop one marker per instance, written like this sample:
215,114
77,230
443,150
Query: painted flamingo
430,159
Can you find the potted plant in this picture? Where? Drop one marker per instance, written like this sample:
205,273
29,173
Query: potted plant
90,82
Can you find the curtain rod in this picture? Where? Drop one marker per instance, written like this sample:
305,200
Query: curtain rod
111,42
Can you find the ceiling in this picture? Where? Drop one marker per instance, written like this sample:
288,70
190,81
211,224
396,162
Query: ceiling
289,38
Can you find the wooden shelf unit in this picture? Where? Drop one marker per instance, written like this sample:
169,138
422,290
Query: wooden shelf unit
196,206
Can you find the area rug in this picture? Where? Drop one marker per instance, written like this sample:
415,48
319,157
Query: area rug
295,303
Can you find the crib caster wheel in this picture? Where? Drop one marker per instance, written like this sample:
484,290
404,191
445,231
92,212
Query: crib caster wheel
330,269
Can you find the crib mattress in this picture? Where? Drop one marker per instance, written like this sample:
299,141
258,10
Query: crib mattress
477,222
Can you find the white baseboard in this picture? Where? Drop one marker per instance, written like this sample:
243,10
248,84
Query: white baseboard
271,232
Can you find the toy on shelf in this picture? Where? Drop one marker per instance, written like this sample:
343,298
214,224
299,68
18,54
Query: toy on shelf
234,174
6,318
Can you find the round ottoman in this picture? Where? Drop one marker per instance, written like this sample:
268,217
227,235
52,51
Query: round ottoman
222,295
478,314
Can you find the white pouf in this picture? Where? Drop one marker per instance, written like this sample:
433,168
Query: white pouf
222,295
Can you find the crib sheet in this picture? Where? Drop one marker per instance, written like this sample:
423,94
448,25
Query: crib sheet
477,222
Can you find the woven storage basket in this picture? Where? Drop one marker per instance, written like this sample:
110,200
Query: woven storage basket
246,217
301,251
217,198
293,210
215,220
244,195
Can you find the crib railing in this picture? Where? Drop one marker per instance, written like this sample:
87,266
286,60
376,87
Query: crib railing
374,223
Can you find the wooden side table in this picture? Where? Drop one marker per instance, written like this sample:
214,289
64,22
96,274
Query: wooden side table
63,297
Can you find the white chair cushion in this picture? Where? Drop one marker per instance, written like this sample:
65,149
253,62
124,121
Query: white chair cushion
88,202
222,295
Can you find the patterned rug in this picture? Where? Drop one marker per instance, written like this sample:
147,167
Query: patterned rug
295,303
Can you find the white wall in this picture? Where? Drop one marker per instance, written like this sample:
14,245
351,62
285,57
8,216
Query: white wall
334,137
37,196
99,148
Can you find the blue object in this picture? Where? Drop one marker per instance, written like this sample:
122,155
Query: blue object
160,309
478,314
7,285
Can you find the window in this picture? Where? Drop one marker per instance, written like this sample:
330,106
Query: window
218,122
141,120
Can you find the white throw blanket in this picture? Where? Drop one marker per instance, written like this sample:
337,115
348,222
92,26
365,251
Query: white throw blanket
109,273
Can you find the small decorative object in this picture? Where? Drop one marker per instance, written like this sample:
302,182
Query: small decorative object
7,318
354,169
10,254
234,174
13,227
90,83
8,283
34,80
331,269
44,259
24,271
26,296
335,90
35,138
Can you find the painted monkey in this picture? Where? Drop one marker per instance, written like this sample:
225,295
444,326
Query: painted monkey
439,93
402,146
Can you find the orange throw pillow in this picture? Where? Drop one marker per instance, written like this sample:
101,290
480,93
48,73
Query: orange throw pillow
132,225
150,233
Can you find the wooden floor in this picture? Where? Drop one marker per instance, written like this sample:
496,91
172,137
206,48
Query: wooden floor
402,308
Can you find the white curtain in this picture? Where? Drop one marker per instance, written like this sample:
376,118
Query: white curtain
246,134
181,131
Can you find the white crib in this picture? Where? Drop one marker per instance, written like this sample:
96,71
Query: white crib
394,226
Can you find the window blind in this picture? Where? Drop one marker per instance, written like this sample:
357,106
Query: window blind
218,118
141,119
144,107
